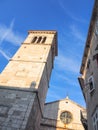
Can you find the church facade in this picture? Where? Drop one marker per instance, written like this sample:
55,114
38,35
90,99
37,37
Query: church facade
62,115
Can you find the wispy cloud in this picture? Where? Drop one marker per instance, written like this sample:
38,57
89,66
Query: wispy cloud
68,64
52,94
9,35
69,80
76,33
70,14
4,54
78,19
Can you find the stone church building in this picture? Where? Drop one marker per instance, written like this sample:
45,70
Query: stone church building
62,115
23,87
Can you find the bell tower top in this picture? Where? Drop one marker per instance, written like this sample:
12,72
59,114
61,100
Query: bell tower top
33,62
42,37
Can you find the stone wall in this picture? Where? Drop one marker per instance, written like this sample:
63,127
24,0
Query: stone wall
18,110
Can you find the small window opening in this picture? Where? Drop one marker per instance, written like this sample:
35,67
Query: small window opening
39,39
88,64
34,40
91,84
44,39
95,57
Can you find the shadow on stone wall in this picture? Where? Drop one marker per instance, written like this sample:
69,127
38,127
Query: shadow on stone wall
49,121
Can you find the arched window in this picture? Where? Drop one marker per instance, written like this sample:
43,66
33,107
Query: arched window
34,40
39,39
44,39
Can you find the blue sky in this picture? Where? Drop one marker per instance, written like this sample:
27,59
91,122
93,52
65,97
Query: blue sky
70,18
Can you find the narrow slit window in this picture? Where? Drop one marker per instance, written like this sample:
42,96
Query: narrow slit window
44,39
39,39
34,40
88,64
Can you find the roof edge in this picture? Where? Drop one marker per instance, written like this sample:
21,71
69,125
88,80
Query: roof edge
89,36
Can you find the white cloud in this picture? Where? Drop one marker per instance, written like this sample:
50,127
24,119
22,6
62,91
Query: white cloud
78,19
70,14
52,94
68,63
76,33
68,80
9,35
4,54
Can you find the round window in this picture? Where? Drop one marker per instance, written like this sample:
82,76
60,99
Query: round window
66,117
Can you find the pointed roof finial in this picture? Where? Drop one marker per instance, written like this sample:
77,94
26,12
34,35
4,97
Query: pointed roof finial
67,97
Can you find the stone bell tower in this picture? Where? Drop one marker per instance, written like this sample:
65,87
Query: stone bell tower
25,80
